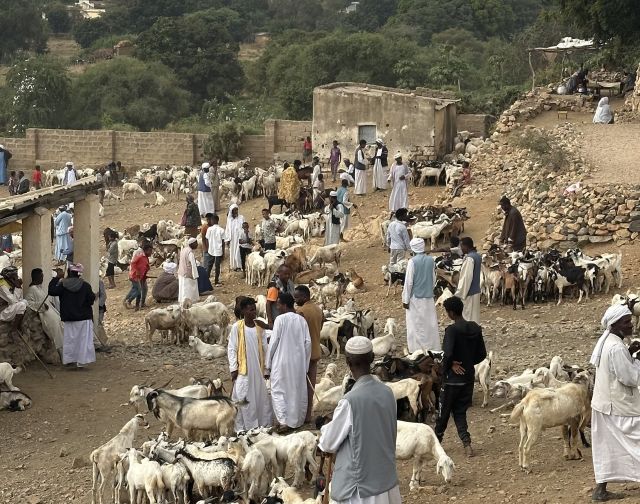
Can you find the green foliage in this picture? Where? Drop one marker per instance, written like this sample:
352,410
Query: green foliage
109,41
198,48
546,148
41,92
22,28
86,31
224,141
59,18
144,95
605,19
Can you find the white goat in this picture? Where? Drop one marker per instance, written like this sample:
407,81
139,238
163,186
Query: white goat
6,374
160,199
382,345
144,475
327,380
327,254
206,350
483,376
131,187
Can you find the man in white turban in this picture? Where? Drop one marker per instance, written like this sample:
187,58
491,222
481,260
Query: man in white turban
380,166
205,196
334,216
166,287
363,434
417,300
70,175
188,273
615,406
399,197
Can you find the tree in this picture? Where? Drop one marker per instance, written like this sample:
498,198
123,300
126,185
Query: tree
41,93
124,90
59,18
22,27
87,31
224,141
604,19
200,50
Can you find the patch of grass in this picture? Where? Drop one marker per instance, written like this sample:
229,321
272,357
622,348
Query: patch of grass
544,147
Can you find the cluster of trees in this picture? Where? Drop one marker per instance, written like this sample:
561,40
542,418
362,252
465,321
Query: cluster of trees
186,71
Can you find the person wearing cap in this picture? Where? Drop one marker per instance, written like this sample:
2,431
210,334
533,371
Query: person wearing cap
138,271
615,406
205,198
188,273
5,156
417,300
380,166
399,197
360,169
469,283
246,353
398,239
70,174
342,194
76,300
232,235
514,232
463,348
62,223
335,158
363,434
287,364
165,289
333,217
191,218
38,300
12,306
316,170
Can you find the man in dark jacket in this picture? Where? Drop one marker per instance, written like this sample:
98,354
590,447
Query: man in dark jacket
463,348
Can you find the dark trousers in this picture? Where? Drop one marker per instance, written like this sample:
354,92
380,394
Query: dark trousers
269,246
244,252
454,400
208,263
138,292
216,263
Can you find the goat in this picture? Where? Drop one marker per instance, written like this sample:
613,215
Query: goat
131,187
281,493
144,475
383,345
7,371
163,319
208,473
327,380
205,350
14,400
138,393
327,254
483,376
407,388
205,315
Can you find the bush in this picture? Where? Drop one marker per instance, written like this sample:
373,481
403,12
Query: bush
59,18
544,147
224,141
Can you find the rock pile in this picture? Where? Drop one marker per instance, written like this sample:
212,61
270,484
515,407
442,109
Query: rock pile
631,109
13,350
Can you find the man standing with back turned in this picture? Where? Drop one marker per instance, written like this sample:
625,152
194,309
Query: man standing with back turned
469,283
362,434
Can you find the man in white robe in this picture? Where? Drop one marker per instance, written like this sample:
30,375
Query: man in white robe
316,170
332,229
12,306
417,300
360,166
469,283
615,406
70,175
232,233
343,198
363,434
380,166
38,300
399,197
205,195
287,364
188,273
246,353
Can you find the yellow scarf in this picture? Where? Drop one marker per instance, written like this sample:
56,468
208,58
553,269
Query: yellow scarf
242,349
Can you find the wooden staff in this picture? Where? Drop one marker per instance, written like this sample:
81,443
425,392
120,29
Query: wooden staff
33,352
364,227
325,495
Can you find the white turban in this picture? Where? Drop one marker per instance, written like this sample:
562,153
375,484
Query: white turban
333,193
398,156
205,165
169,267
610,317
1,146
358,345
379,140
417,245
191,241
69,164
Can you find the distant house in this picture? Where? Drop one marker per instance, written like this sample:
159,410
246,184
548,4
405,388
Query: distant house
352,7
90,10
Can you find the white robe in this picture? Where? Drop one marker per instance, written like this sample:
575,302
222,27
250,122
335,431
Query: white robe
49,315
421,317
399,197
252,387
332,435
379,173
205,199
361,182
16,305
188,287
346,217
78,342
288,359
232,237
332,231
471,310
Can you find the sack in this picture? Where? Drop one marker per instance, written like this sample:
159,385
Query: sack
183,221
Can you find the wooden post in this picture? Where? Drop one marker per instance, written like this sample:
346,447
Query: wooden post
533,74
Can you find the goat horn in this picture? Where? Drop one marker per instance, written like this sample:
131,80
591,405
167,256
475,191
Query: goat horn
166,384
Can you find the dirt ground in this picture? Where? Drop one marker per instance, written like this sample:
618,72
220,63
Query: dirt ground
43,451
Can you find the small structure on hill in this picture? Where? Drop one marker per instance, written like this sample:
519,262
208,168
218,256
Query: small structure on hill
414,122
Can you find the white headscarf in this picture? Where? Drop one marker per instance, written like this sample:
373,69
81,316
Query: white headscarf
205,165
603,113
417,245
169,267
610,317
191,241
231,210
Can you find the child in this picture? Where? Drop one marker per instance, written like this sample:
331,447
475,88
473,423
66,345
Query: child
12,184
112,259
37,178
215,239
318,191
246,244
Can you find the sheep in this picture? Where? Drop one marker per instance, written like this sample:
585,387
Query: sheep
125,249
110,195
418,441
330,399
144,475
256,267
483,376
208,473
205,315
6,374
160,199
205,350
131,187
163,319
14,400
541,409
327,254
281,493
105,457
556,368
326,382
382,345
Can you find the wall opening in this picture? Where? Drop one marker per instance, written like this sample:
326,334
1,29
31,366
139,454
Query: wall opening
367,132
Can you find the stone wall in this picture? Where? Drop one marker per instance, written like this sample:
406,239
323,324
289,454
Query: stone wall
20,148
13,350
477,124
284,139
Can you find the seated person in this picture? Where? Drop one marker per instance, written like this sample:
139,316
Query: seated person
603,113
12,306
165,289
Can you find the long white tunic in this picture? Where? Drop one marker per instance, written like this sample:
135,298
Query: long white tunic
360,176
188,287
288,359
252,387
346,219
232,237
399,197
471,310
332,231
332,435
15,304
48,314
421,317
379,173
205,199
78,342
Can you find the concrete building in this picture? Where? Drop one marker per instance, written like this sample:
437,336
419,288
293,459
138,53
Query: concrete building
414,122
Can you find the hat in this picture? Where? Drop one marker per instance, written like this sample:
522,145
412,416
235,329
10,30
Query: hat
8,270
358,345
68,163
397,156
206,165
191,241
77,267
333,193
417,245
613,314
380,141
169,267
